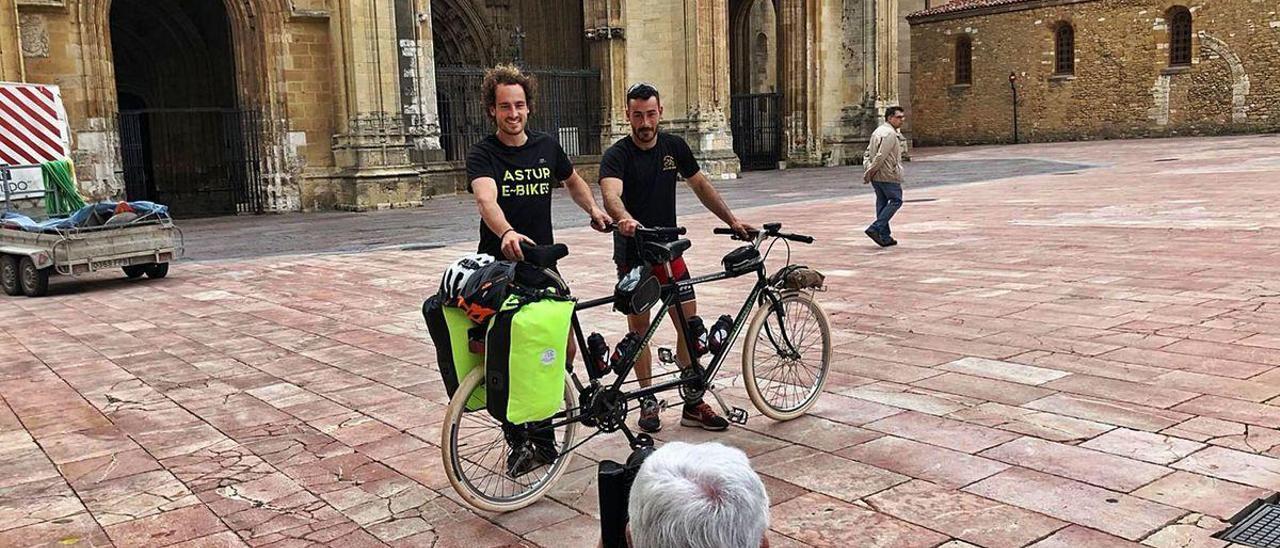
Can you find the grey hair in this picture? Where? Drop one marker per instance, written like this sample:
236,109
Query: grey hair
698,496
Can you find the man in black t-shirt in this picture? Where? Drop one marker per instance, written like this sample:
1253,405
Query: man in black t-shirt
511,174
638,181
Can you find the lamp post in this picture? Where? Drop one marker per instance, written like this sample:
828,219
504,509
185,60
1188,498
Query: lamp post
1013,86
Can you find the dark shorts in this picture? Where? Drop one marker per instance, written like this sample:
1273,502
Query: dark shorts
679,272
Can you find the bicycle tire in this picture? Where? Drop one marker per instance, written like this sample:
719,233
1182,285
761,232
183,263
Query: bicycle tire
751,370
465,486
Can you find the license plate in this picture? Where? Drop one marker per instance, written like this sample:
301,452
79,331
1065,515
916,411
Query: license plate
114,263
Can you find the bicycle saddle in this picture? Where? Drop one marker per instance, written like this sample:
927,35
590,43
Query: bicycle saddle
544,256
659,252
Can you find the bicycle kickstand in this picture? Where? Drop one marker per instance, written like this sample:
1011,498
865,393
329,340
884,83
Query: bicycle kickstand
735,415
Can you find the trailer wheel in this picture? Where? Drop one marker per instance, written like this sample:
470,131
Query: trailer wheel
35,281
156,271
9,275
135,270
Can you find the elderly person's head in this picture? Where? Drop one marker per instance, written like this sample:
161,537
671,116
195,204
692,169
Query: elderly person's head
698,496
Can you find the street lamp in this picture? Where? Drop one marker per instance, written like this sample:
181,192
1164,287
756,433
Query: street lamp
1013,85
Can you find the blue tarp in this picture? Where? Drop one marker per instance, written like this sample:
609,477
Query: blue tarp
85,216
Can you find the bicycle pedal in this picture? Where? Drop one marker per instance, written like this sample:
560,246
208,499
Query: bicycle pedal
666,356
737,415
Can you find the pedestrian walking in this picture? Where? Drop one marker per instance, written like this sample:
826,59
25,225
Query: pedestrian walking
884,172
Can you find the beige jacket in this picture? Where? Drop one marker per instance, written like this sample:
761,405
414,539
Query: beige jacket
883,160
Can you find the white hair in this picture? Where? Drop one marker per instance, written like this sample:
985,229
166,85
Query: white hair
698,496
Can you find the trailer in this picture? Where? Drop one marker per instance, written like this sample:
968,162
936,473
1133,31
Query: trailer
28,258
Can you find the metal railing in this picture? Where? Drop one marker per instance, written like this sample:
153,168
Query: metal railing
566,106
198,161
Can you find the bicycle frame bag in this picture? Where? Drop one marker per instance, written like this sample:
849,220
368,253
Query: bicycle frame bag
525,352
448,327
637,292
742,260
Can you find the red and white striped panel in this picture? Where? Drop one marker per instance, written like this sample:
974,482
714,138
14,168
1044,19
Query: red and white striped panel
33,125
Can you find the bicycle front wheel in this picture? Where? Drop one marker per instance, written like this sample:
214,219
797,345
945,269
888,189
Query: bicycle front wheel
786,356
497,467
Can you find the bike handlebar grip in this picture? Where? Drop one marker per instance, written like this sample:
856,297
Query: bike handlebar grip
726,231
801,239
663,230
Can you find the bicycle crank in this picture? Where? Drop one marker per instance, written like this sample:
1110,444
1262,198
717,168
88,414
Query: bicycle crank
735,415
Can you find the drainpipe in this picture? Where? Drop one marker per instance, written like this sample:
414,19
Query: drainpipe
17,43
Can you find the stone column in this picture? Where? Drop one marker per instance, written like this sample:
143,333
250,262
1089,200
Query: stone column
864,78
800,91
417,79
606,42
10,47
370,149
707,76
886,59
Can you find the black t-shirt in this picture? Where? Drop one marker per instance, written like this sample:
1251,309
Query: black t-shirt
526,175
648,183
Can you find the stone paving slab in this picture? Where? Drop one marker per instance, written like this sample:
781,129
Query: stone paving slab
1052,357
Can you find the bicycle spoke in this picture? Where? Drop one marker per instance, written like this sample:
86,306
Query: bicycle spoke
784,380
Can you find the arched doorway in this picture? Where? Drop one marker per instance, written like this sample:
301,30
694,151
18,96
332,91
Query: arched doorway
186,139
756,102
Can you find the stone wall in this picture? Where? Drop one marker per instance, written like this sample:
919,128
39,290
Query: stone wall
1122,86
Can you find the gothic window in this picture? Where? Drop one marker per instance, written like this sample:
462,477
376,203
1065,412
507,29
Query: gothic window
964,60
1064,49
1179,36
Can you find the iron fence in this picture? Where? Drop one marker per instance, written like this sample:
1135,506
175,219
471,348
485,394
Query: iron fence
566,107
757,129
198,161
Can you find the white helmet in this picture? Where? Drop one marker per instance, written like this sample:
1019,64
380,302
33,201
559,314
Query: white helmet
455,277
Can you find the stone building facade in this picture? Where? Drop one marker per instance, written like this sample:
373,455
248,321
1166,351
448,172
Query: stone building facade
235,106
1087,69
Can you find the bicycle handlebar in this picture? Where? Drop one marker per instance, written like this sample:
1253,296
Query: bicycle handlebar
652,231
771,229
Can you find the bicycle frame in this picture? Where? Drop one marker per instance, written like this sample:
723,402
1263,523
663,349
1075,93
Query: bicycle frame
670,298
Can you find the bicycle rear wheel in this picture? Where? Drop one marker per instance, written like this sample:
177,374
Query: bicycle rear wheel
477,452
784,374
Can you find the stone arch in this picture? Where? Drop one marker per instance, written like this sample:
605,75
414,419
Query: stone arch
461,35
257,42
1239,78
744,39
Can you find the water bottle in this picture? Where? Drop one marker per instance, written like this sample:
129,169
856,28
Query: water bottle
625,348
597,356
696,333
718,338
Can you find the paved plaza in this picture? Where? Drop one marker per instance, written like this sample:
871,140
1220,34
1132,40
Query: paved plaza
1079,346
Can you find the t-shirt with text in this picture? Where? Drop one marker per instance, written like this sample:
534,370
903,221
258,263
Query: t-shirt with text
525,175
648,184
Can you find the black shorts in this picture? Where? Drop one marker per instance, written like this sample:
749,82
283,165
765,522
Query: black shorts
679,273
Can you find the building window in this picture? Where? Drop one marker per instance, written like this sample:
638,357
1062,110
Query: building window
1179,36
1064,49
964,61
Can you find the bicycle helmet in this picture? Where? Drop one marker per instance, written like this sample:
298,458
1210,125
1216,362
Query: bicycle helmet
486,289
456,276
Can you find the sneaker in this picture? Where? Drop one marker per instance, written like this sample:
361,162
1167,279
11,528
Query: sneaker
891,242
650,419
529,457
702,416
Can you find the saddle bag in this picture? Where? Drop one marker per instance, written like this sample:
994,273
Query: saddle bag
525,357
796,277
449,327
